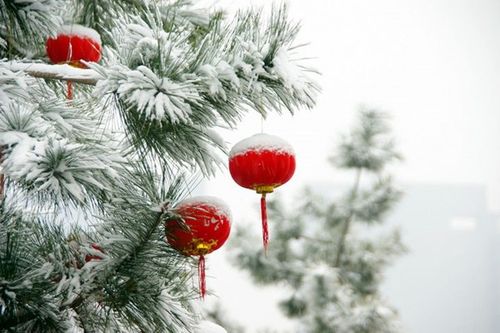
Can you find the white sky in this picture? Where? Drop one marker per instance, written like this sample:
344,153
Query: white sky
433,64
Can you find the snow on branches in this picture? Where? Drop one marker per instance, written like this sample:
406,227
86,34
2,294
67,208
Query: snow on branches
56,166
50,147
231,65
157,98
25,23
12,85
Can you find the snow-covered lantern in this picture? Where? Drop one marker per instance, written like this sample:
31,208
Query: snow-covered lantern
262,162
72,45
203,226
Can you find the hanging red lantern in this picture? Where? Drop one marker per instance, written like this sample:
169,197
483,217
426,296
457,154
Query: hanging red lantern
262,162
205,227
72,45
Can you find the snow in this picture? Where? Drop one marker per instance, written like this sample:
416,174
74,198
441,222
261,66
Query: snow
260,142
12,85
206,326
213,76
80,31
226,72
12,137
215,137
222,209
290,74
10,294
65,72
210,75
141,30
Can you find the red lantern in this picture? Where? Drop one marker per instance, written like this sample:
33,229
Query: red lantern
72,45
262,162
206,227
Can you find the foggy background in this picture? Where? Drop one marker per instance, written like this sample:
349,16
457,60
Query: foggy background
434,65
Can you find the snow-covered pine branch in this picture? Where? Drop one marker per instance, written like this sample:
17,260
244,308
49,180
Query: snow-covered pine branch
155,98
24,24
12,86
170,76
235,60
51,149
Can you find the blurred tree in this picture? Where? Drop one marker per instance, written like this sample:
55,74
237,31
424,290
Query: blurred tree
333,273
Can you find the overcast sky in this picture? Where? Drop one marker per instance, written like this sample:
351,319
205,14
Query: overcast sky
434,65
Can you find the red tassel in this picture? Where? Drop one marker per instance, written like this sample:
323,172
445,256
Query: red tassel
201,276
70,90
265,231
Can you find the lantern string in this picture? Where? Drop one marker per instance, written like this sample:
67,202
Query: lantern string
70,90
201,276
265,231
68,60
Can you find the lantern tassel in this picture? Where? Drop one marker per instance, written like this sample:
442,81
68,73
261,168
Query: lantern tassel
70,90
265,231
201,276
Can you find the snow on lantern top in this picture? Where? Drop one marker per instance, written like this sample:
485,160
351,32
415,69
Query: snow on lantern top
219,206
74,44
259,142
80,31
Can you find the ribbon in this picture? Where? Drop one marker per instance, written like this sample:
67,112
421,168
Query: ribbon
70,90
265,230
201,276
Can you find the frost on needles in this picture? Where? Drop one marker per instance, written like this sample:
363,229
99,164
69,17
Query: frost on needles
89,182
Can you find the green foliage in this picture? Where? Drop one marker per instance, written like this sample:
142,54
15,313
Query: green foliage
317,249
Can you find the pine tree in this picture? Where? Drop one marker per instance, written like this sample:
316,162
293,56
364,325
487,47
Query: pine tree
325,251
87,183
